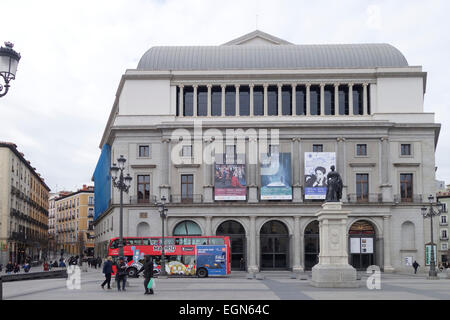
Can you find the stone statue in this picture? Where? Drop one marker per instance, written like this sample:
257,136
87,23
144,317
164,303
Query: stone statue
334,186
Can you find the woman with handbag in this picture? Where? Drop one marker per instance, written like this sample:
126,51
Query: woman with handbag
148,275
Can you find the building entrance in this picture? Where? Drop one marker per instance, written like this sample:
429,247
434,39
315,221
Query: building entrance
236,232
362,245
312,248
274,244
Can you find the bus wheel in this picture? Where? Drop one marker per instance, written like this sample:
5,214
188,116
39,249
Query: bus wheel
132,272
202,273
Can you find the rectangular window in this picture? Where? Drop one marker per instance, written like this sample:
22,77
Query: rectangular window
186,151
91,201
244,100
187,187
258,101
230,101
317,147
300,100
357,99
314,100
361,149
405,149
188,101
144,151
406,187
202,101
178,100
216,101
343,100
443,219
272,100
444,234
286,100
143,188
362,187
329,100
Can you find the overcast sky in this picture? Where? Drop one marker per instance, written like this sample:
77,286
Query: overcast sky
74,53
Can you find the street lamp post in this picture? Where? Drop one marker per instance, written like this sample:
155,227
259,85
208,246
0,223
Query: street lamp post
123,184
163,214
9,59
430,213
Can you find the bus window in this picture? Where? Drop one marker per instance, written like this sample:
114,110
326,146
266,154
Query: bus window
146,242
216,241
168,241
133,242
188,260
115,244
187,241
199,241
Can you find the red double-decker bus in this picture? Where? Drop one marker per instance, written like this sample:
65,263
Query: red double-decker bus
184,255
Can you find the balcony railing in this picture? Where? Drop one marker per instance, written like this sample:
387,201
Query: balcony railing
443,238
371,197
415,198
193,198
151,200
443,223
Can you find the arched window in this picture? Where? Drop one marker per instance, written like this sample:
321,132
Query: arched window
187,228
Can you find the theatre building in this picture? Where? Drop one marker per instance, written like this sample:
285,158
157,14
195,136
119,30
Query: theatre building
239,138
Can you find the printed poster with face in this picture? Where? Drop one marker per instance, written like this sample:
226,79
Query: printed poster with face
276,177
317,167
229,182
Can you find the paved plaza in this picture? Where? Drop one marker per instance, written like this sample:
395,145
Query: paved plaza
267,286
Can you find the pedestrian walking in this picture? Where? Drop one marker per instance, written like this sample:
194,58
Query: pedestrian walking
9,267
107,270
148,275
242,264
26,267
45,265
99,262
415,266
121,275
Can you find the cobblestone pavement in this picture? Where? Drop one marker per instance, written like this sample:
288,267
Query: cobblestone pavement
268,286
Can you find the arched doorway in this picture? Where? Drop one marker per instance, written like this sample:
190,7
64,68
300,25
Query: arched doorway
143,229
187,228
274,244
362,245
311,240
236,232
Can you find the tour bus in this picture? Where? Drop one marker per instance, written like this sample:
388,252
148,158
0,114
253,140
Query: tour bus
184,255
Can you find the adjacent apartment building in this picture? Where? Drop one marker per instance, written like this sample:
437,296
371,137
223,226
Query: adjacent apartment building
73,217
23,208
239,138
441,225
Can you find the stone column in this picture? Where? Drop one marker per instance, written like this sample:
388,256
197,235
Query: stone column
365,99
208,226
308,103
297,195
237,100
297,267
350,99
265,85
336,99
194,107
252,267
387,244
209,99
386,186
294,99
251,100
164,187
322,99
280,100
333,270
180,107
252,186
341,166
207,173
223,99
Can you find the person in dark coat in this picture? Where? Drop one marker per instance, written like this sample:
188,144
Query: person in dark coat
148,273
121,275
16,267
9,267
415,266
107,270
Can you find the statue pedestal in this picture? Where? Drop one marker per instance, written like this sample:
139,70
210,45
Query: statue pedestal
333,270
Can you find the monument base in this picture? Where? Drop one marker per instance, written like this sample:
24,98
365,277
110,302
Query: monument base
334,276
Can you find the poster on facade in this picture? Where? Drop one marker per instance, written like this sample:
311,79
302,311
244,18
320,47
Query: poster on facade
408,261
355,245
276,177
230,182
317,167
428,254
366,245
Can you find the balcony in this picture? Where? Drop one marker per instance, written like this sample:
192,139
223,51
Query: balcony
368,198
193,198
443,224
443,238
415,198
151,200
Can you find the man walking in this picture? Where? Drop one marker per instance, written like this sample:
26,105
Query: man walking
415,266
107,270
121,275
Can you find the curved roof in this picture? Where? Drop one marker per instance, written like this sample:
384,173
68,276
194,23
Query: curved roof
232,57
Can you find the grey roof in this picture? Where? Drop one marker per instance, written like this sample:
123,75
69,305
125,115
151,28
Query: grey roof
253,57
